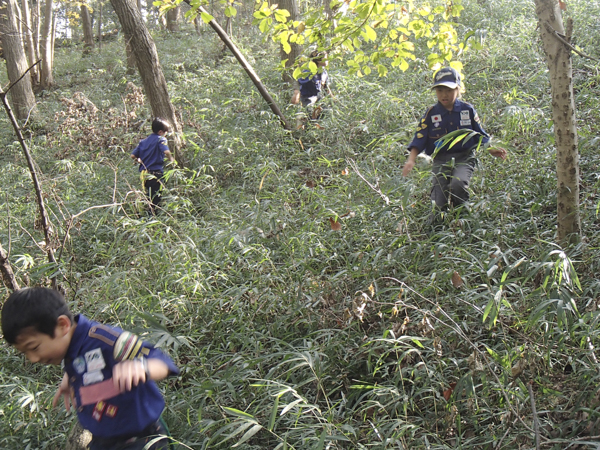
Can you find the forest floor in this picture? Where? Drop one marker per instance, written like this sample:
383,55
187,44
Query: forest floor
304,309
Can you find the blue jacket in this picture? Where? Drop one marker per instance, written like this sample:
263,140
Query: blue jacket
438,121
312,86
90,360
152,152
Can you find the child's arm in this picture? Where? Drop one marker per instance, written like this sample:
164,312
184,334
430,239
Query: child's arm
130,373
169,156
64,391
410,162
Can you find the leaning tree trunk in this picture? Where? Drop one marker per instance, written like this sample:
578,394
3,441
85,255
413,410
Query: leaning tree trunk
21,93
88,34
146,57
296,50
29,44
558,55
47,79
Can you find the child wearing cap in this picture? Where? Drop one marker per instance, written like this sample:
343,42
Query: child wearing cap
453,165
109,374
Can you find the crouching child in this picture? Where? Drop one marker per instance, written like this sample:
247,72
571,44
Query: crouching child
109,374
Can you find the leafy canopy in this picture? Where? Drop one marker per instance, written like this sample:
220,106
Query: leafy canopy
376,33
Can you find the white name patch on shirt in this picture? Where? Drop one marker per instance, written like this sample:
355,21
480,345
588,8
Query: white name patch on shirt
464,115
92,377
465,122
95,360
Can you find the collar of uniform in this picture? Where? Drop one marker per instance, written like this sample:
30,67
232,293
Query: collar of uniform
81,330
458,107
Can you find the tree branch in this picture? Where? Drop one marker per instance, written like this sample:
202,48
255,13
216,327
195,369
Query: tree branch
36,184
10,86
562,39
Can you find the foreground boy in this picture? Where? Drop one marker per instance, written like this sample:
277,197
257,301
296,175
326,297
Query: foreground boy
452,167
109,373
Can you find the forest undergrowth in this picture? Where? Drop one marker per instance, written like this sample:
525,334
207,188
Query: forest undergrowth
306,308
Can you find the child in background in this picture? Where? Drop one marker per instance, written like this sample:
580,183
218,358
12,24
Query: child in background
150,155
452,167
109,375
309,90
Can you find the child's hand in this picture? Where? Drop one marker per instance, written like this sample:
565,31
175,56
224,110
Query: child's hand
128,374
408,167
64,390
498,152
296,97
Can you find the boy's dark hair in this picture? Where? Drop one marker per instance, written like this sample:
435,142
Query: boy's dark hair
316,56
159,124
37,308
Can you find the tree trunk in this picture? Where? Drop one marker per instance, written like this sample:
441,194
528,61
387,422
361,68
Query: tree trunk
558,57
47,79
173,19
21,94
35,16
100,26
296,51
29,43
88,34
146,57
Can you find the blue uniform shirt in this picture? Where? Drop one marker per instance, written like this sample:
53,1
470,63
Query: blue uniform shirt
438,121
90,360
152,152
312,85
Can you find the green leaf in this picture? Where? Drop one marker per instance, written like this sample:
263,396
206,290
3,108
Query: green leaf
206,17
241,414
230,11
251,432
273,414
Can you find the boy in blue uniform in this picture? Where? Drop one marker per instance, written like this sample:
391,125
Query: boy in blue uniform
150,155
309,90
109,375
452,167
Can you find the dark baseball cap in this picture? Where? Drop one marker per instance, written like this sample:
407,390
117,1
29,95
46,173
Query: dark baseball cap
448,77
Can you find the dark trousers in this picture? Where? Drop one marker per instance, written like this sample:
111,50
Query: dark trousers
452,174
152,186
134,443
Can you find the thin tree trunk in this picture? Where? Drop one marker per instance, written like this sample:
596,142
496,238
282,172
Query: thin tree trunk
146,57
47,79
8,276
296,50
35,16
558,57
88,34
36,184
248,68
29,43
21,93
100,26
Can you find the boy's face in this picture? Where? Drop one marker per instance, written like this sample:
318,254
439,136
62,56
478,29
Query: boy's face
446,96
41,348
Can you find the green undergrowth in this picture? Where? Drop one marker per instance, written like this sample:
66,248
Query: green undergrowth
292,333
